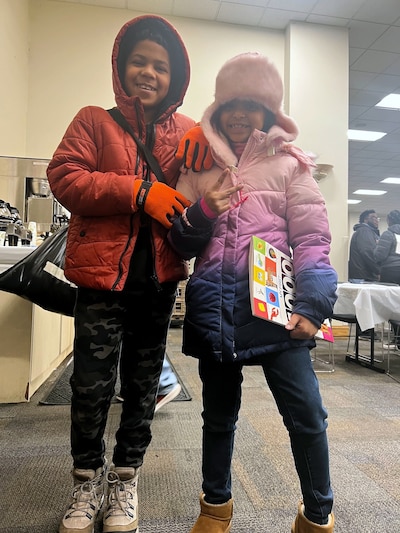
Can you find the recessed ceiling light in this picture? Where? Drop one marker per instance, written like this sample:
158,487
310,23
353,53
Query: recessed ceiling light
391,180
391,101
363,135
353,201
369,192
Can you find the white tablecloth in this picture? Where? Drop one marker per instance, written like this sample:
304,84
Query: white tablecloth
371,303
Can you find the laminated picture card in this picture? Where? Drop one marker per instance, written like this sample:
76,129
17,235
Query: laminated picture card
273,287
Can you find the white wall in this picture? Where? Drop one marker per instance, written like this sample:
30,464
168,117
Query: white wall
70,67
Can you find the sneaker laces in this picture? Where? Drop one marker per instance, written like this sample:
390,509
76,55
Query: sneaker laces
82,501
121,496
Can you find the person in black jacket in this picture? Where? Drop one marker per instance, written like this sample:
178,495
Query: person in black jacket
387,251
387,254
362,263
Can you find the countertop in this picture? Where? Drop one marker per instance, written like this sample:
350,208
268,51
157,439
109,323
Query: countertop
9,255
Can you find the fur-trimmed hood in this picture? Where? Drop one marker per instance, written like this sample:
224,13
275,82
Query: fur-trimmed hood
249,76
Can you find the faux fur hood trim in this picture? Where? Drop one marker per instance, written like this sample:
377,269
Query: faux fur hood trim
249,76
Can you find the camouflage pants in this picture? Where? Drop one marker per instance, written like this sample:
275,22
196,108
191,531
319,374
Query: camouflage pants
107,325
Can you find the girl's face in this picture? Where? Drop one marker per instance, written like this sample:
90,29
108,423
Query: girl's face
148,75
239,118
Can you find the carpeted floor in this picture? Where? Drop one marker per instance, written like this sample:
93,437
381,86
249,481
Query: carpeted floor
60,393
364,436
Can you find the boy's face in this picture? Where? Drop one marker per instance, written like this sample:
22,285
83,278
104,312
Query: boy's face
148,75
239,118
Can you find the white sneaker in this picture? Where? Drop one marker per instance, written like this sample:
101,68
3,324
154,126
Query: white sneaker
163,399
87,499
121,514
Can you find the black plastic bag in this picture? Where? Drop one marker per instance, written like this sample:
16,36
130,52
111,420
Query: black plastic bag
39,277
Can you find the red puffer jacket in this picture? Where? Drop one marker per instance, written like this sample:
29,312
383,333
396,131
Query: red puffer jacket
92,173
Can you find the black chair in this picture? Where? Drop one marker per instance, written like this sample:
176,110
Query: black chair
366,360
393,337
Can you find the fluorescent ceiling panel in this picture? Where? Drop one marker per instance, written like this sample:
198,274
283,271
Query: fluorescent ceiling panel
391,101
363,135
393,180
369,192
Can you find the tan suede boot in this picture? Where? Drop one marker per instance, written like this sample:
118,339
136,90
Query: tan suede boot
303,525
214,518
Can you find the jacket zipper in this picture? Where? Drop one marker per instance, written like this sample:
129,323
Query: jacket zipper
150,140
131,218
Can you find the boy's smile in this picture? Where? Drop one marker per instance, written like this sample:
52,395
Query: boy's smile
148,75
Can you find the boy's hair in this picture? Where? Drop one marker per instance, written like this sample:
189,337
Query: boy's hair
154,30
366,214
394,217
129,42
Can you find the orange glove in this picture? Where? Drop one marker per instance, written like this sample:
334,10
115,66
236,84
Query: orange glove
159,201
194,150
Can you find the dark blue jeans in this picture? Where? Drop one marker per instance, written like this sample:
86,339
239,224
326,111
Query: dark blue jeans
294,385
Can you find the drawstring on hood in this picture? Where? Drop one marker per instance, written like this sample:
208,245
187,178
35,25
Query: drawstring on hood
248,76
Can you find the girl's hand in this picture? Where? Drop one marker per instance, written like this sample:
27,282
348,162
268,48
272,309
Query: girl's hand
301,327
220,201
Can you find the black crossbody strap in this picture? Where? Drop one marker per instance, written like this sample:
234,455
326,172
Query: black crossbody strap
146,153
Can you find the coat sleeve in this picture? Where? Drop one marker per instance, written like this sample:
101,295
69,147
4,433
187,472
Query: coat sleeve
383,247
191,232
310,240
366,242
92,141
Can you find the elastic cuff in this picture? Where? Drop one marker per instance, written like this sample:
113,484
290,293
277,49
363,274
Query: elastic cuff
142,193
209,213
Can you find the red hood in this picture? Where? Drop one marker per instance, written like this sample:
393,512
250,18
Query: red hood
179,64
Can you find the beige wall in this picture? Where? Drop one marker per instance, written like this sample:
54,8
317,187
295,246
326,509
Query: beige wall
70,67
318,100
14,85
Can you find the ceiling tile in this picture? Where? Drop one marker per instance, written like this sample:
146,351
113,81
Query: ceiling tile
371,10
239,14
359,80
304,6
206,9
374,61
161,7
279,19
338,8
394,68
364,34
330,21
383,83
389,41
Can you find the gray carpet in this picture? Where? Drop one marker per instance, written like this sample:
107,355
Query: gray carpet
60,393
364,436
